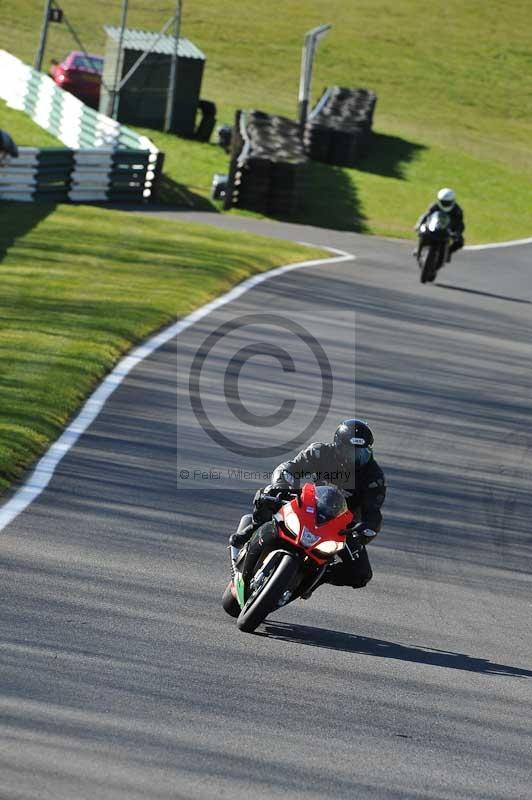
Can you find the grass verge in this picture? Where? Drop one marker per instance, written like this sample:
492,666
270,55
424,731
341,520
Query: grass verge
395,182
24,130
454,103
80,286
454,106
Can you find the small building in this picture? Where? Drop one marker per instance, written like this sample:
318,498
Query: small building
143,98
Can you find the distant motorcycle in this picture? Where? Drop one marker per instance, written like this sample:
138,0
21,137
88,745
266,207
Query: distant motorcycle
287,557
434,242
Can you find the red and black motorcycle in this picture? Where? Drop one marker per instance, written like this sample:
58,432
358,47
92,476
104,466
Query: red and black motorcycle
287,557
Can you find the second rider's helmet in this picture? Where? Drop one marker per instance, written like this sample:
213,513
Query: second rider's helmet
353,442
446,199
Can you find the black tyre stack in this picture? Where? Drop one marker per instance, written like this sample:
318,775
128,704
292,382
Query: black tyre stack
339,126
268,164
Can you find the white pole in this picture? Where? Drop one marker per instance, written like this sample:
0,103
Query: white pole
307,60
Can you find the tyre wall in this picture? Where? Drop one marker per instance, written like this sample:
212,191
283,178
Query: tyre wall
267,170
338,128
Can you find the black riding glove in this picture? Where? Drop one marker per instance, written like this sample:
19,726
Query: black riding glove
362,534
267,501
280,489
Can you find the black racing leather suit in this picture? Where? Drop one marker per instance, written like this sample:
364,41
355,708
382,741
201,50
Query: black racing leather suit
457,226
365,490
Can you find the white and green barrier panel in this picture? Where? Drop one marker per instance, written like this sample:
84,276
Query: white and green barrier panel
95,174
104,160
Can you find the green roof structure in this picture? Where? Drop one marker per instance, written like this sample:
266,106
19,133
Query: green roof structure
146,40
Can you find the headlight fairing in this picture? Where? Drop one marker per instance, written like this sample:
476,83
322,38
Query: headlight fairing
308,538
291,520
329,548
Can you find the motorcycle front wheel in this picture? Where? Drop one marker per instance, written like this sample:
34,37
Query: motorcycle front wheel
426,262
230,603
267,598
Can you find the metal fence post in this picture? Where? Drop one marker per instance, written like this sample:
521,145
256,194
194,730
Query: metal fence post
172,83
44,32
307,59
112,109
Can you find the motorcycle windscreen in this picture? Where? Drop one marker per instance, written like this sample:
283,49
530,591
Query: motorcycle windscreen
330,503
438,221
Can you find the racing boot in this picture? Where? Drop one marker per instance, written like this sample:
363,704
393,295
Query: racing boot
322,579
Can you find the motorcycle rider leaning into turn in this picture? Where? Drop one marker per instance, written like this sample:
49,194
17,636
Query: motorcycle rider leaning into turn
446,201
347,463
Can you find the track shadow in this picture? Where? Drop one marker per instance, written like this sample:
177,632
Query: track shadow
178,195
388,155
484,294
349,643
330,201
17,219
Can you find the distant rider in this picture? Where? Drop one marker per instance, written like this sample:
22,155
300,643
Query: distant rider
7,147
446,201
347,463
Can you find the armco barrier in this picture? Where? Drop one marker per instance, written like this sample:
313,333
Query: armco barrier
104,160
32,173
59,175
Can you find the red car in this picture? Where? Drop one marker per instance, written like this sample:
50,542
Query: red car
81,75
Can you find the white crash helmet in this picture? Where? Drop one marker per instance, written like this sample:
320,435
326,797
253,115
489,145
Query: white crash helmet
446,199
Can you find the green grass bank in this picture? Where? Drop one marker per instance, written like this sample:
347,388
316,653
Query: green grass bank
80,286
454,107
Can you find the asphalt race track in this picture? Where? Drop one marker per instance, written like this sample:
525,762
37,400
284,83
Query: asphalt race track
121,675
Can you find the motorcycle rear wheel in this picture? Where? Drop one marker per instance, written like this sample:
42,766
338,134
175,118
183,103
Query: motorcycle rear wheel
267,598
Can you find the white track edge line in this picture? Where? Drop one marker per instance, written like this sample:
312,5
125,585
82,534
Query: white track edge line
495,245
42,474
